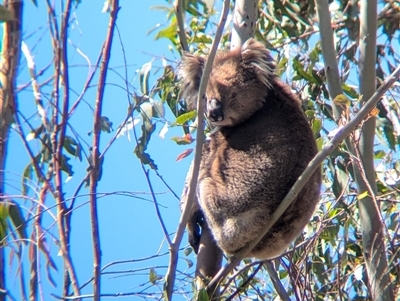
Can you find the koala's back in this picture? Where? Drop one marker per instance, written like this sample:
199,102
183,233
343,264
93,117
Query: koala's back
248,169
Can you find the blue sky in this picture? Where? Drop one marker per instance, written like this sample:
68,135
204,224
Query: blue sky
129,227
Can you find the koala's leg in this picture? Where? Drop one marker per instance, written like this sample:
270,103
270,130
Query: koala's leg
194,226
196,217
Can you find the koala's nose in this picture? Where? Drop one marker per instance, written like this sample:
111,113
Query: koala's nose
214,110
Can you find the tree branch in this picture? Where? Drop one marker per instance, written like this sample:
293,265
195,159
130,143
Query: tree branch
329,55
170,276
371,221
96,162
178,6
370,217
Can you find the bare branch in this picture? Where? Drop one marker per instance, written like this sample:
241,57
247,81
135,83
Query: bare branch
329,54
170,276
96,162
160,219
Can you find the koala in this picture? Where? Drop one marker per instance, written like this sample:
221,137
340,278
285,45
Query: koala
262,145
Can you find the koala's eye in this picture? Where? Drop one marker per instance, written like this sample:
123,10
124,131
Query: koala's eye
234,94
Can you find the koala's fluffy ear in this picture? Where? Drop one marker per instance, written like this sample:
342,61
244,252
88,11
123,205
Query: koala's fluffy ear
190,72
255,54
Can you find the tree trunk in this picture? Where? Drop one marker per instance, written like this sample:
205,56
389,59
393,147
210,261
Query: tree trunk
10,55
244,22
371,222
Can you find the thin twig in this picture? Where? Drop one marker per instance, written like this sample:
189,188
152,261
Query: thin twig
59,63
85,87
170,276
245,283
67,259
96,162
178,6
122,262
276,282
308,172
62,58
160,219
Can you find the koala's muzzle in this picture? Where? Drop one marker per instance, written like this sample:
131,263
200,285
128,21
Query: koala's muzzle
214,110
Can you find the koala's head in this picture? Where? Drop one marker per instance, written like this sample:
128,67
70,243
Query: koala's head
238,84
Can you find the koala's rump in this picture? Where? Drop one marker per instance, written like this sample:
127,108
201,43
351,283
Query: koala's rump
247,171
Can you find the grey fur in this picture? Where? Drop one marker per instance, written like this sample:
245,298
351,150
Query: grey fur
248,166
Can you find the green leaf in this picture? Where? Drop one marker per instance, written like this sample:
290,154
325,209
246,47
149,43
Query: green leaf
310,114
189,262
187,139
187,251
388,131
65,166
153,277
170,33
146,159
282,66
147,130
202,295
202,38
341,100
182,119
17,219
300,71
362,195
144,74
162,8
379,154
69,144
351,92
316,126
105,124
320,143
3,223
26,178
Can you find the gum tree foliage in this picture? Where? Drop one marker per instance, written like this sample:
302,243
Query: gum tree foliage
328,262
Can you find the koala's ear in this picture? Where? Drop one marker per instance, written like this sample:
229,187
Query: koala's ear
255,54
190,71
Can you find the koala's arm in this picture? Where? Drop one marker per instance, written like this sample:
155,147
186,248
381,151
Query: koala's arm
196,217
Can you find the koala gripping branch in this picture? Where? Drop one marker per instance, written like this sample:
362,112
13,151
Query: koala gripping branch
308,172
